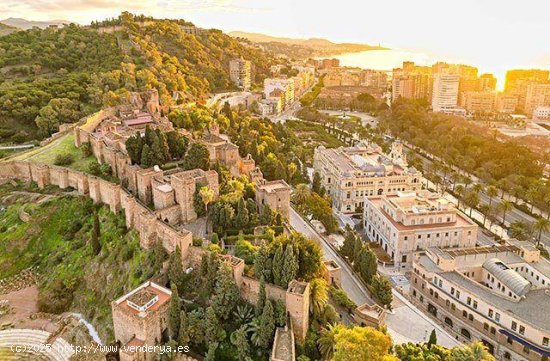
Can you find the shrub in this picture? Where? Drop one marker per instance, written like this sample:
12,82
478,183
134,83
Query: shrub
63,159
86,149
341,298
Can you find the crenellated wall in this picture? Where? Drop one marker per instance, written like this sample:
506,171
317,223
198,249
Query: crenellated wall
138,216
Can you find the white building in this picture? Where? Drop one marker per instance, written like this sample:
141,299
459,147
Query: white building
350,174
498,294
405,223
445,92
284,85
542,113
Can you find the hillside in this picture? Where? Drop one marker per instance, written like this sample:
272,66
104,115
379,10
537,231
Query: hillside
302,48
48,76
25,24
56,240
6,29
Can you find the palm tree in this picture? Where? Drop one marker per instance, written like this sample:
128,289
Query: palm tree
473,352
326,342
207,196
485,209
541,226
301,193
459,194
532,195
243,314
472,200
318,295
505,207
492,192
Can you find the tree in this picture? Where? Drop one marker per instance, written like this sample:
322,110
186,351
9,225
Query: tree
326,341
472,352
226,293
541,226
262,264
197,157
147,157
492,192
134,147
361,343
316,184
242,218
183,336
262,298
175,268
382,290
239,340
174,313
472,200
290,266
213,330
520,230
433,338
207,196
367,264
96,233
267,216
318,295
459,190
277,265
211,353
267,326
196,326
349,243
357,248
505,207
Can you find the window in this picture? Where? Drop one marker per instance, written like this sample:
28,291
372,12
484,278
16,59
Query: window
469,301
493,330
457,294
486,326
514,325
475,305
471,317
509,340
490,313
464,314
452,290
545,341
522,330
497,317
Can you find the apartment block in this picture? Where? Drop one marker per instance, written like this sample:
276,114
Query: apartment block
445,92
240,73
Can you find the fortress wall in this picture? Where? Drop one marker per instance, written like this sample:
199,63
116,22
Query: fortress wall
171,238
17,170
251,288
170,215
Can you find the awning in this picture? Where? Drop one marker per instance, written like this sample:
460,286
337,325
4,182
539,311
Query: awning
525,343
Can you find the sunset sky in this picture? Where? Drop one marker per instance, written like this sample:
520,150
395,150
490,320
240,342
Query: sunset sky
494,35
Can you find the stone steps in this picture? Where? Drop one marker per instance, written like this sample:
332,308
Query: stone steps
60,349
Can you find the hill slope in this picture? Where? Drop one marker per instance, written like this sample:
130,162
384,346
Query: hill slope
70,72
29,24
301,48
6,29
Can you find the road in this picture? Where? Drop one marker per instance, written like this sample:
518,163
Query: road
405,323
514,215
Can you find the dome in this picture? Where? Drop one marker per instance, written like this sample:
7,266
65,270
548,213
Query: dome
507,276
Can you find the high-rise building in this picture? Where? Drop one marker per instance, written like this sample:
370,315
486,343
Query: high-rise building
487,83
285,85
240,73
506,103
537,95
518,80
445,92
411,82
478,101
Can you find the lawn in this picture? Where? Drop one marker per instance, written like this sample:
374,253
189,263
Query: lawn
61,146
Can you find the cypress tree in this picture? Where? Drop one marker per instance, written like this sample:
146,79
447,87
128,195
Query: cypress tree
174,313
96,233
277,266
261,298
290,266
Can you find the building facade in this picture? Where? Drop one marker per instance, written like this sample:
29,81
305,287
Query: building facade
496,294
351,174
405,223
445,92
240,73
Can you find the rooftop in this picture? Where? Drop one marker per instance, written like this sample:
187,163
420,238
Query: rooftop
274,186
143,295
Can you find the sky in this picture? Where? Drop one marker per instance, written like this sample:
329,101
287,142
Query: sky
494,35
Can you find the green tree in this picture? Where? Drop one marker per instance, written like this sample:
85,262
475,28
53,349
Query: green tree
183,336
316,184
174,313
361,343
175,268
290,266
326,341
147,157
277,265
349,244
197,157
433,338
213,330
472,352
239,340
262,264
318,295
382,290
541,226
267,216
367,264
226,293
267,326
134,147
242,218
505,207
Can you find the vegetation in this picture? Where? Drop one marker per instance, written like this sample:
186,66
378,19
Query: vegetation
313,205
75,251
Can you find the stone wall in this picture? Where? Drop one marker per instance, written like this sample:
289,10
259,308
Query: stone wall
138,216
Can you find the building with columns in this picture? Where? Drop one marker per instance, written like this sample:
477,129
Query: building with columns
350,174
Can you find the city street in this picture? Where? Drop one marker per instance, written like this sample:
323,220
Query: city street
405,323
